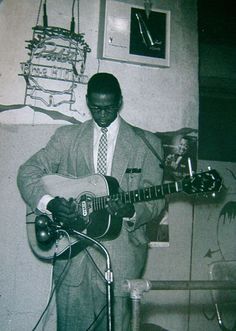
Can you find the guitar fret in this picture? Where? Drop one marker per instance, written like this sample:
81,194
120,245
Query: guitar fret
159,192
173,187
156,191
165,189
94,204
99,202
168,187
126,196
103,202
147,193
162,191
176,187
150,195
130,198
137,196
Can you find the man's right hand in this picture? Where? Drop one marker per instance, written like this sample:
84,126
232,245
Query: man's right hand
63,211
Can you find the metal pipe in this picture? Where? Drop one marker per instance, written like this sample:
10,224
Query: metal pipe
135,322
192,285
136,288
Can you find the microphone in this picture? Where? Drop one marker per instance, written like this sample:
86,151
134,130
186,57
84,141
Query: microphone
45,230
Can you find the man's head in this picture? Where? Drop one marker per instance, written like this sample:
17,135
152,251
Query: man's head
104,98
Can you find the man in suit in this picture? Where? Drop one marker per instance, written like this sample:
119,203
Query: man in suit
74,151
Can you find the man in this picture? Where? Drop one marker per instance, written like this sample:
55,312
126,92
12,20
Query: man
177,164
74,151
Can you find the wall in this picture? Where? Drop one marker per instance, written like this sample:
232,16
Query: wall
158,99
146,89
25,280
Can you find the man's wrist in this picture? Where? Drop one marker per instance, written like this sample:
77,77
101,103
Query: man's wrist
130,221
43,202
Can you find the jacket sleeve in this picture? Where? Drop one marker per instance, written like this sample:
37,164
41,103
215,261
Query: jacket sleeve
45,161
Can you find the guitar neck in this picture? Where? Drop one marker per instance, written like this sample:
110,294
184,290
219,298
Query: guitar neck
151,193
146,194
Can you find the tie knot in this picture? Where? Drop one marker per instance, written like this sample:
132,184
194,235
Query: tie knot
104,130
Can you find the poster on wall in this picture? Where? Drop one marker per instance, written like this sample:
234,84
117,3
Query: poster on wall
180,159
128,34
180,156
148,34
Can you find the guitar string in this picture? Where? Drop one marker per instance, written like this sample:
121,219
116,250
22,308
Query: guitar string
133,196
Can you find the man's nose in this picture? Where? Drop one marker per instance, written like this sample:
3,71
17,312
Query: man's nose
103,112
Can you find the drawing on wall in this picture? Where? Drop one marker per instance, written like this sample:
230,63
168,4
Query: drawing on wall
222,254
225,227
226,231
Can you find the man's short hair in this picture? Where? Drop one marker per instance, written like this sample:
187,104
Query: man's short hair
103,82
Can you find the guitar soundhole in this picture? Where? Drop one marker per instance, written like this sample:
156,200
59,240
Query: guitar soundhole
88,196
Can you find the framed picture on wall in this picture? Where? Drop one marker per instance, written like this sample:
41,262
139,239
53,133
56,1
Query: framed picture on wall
180,149
128,34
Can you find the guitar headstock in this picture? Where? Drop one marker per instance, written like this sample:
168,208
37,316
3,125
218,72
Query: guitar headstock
202,182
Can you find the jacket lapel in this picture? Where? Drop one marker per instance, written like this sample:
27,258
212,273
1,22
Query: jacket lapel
122,151
87,144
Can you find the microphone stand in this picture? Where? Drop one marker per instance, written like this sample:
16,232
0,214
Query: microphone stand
108,277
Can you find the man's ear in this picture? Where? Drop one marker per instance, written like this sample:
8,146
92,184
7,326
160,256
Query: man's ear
120,103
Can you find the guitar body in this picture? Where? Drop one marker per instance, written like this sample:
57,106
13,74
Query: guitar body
100,223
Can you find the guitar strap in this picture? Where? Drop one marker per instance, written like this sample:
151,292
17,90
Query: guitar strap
141,134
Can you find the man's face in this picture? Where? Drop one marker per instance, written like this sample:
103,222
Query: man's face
183,147
103,107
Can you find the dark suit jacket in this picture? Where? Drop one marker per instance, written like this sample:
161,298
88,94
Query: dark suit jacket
70,152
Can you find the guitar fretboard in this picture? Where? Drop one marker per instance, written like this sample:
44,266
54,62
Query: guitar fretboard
146,194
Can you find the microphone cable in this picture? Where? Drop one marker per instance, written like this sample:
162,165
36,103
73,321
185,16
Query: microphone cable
96,318
103,278
60,279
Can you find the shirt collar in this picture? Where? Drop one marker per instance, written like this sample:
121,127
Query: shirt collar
112,128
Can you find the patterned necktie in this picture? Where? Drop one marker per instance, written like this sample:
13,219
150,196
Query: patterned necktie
102,153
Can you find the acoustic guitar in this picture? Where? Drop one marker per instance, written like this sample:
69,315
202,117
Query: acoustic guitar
90,195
